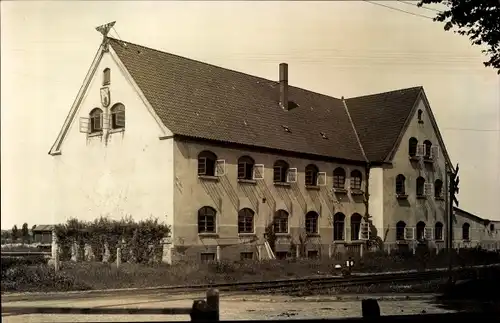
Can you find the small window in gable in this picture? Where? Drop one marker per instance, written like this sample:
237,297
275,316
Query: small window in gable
106,77
428,146
466,231
420,186
412,146
118,116
95,120
400,185
419,116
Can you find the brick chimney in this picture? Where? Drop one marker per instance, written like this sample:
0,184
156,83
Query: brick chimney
284,86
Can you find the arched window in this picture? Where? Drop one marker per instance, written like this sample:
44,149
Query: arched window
420,186
412,146
245,220
466,231
281,221
428,146
312,222
400,185
339,178
206,220
95,120
245,167
400,230
356,179
355,226
206,163
312,175
438,231
280,171
338,226
117,116
438,188
420,230
106,76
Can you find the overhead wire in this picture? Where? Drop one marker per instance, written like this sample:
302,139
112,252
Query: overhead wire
397,9
415,5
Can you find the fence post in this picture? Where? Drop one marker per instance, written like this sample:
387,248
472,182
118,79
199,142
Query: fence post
330,251
213,304
218,253
56,260
370,308
118,257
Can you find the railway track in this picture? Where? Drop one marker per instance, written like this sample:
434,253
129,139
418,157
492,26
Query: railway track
284,285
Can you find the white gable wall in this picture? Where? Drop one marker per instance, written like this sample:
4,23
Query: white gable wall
414,210
130,175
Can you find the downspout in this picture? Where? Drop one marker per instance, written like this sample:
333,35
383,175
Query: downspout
366,201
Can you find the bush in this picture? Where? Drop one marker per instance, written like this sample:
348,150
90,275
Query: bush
39,278
8,262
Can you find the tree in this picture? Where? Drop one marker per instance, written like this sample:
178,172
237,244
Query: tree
477,19
15,233
25,233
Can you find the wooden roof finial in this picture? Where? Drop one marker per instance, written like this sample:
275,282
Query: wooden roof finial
104,29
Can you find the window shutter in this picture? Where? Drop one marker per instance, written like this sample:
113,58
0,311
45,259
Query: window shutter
409,233
434,152
291,176
220,167
428,189
258,171
84,125
420,150
428,233
364,231
321,180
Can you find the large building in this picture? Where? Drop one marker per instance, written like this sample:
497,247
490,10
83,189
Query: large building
219,155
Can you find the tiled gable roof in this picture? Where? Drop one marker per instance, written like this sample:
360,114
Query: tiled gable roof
200,100
380,118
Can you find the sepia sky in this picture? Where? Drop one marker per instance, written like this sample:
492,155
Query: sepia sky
339,48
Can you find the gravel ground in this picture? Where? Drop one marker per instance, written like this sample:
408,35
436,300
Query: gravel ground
233,307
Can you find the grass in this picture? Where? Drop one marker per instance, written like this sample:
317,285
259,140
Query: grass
38,276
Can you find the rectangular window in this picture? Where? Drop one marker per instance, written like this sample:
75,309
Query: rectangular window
246,256
281,255
312,254
207,257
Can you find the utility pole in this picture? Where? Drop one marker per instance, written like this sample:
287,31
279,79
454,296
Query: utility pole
452,199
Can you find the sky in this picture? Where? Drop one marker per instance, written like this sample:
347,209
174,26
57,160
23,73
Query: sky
339,48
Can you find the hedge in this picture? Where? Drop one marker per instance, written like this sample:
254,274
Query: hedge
140,241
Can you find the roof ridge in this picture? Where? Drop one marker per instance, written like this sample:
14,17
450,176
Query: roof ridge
387,92
193,60
220,67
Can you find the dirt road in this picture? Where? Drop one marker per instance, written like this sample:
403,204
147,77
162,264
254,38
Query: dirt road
232,307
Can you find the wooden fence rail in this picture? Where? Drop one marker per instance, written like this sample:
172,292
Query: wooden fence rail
202,310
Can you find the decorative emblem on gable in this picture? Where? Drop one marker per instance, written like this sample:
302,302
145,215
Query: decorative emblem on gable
105,97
